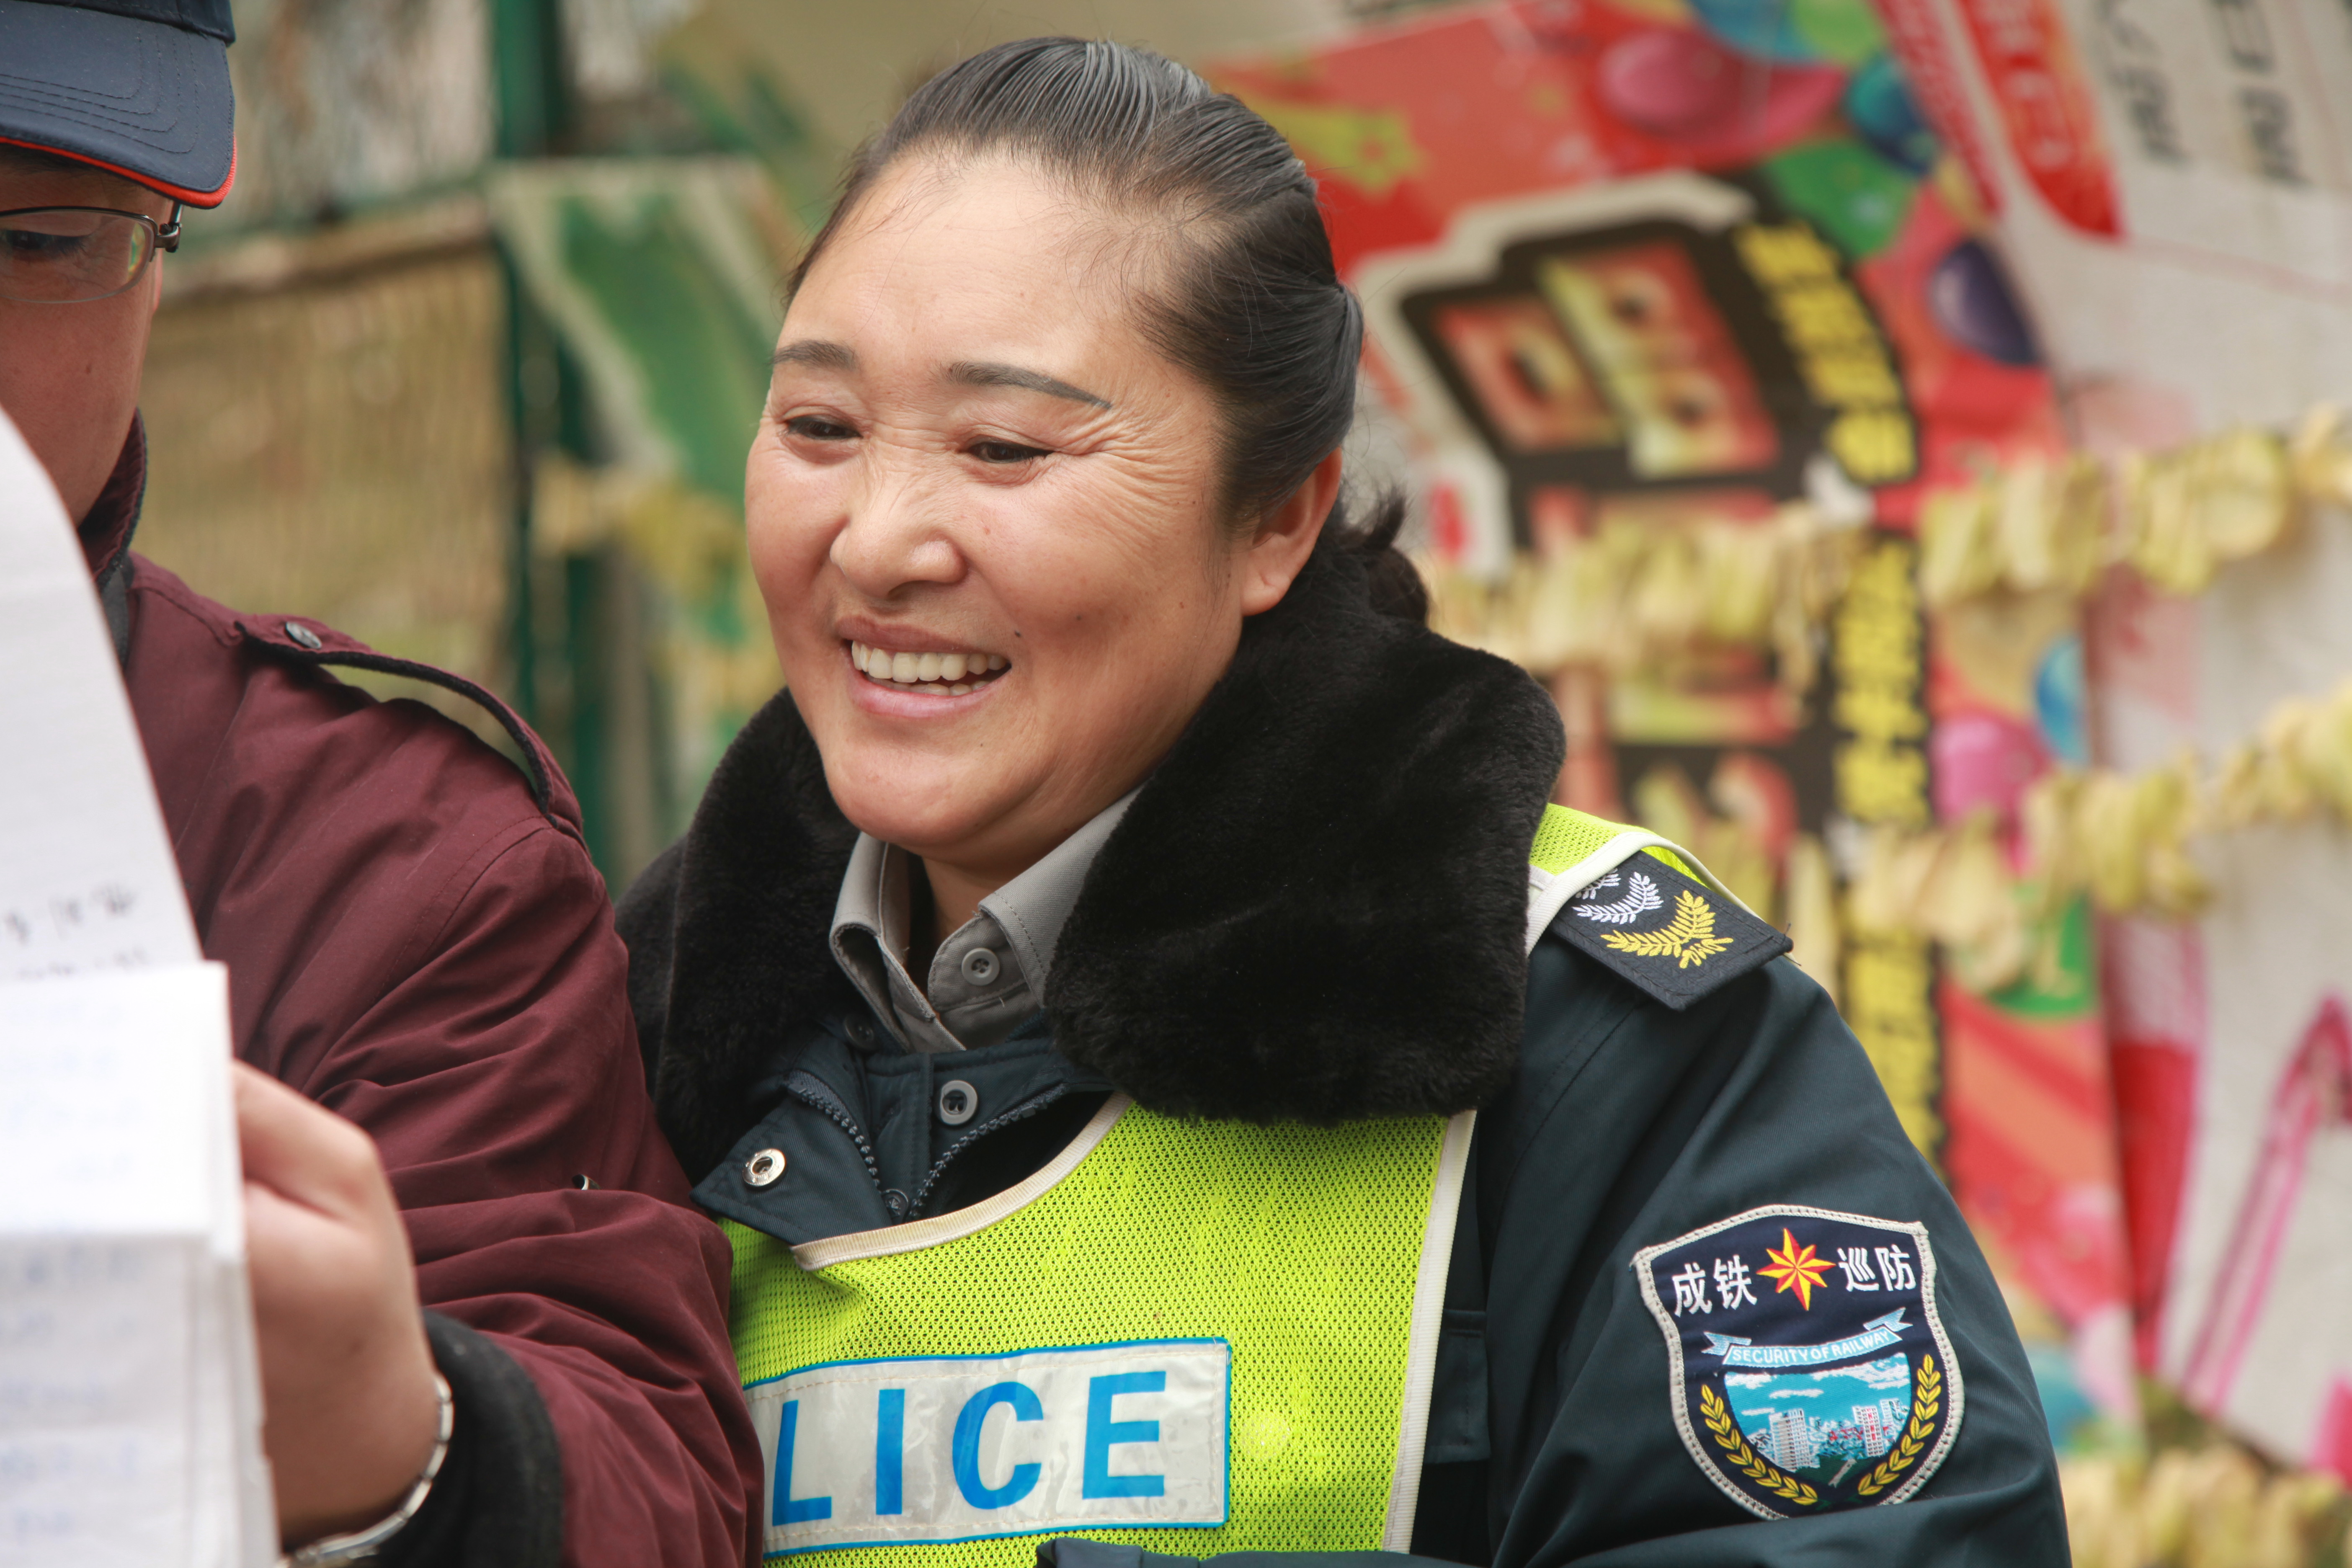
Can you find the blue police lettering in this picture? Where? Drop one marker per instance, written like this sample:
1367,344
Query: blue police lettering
890,1451
790,1509
1023,1480
939,1449
1102,1432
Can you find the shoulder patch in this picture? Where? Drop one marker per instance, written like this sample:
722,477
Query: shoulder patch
1670,934
1810,1371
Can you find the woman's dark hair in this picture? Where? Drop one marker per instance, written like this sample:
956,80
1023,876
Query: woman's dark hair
1253,305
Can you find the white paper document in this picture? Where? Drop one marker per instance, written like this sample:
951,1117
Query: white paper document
130,1404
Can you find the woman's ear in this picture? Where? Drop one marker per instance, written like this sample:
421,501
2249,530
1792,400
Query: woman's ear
1286,536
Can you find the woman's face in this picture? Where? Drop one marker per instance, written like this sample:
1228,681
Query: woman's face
984,514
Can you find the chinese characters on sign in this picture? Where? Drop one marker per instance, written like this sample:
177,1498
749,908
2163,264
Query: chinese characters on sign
1839,352
1880,780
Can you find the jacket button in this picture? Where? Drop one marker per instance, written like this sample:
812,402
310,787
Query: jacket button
979,967
763,1169
304,635
861,1033
958,1102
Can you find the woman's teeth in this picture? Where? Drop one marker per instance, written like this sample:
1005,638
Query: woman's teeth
940,674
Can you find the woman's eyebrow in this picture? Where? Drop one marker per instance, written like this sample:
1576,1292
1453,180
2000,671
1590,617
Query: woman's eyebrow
817,355
971,372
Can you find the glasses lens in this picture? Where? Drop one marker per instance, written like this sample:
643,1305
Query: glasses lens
67,254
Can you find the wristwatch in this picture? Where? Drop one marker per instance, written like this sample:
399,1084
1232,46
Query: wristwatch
362,1545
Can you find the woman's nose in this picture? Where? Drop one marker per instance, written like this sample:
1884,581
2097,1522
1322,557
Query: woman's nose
899,532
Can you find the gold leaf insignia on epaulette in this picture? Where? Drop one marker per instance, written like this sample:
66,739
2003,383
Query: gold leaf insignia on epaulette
1660,912
1688,938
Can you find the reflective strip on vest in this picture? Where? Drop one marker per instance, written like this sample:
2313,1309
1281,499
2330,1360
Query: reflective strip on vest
1192,1337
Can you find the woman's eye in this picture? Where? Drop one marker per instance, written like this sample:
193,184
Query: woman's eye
1004,452
816,428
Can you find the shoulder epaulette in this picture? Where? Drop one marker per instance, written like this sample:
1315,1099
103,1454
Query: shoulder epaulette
317,645
1663,929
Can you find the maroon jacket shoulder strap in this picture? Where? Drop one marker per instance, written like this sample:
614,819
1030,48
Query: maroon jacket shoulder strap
301,641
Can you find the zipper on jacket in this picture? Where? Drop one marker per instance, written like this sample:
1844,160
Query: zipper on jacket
1021,1112
814,1091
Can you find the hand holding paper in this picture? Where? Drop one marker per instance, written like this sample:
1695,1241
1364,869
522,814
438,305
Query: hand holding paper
346,1375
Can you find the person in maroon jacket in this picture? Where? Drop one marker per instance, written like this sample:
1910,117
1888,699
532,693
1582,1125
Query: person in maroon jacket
424,982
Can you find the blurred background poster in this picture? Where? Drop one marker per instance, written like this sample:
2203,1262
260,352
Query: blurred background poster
468,365
1685,310
2174,184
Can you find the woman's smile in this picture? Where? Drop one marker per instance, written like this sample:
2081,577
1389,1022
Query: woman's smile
931,673
925,671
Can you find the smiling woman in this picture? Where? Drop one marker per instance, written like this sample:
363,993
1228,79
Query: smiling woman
973,455
1079,990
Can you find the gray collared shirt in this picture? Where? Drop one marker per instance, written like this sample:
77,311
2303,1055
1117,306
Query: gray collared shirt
986,977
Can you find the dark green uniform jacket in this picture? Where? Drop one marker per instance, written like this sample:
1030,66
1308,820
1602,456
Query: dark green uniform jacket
1316,909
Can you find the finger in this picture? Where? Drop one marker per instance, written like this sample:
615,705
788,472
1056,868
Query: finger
276,1224
304,1153
312,1275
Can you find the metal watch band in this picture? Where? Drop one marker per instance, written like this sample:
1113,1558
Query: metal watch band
362,1546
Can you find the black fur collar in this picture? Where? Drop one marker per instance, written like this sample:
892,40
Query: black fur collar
1314,911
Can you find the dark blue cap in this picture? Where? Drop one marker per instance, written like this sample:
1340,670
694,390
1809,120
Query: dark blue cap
139,87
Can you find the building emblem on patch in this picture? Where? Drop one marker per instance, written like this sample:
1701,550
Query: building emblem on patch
1810,1370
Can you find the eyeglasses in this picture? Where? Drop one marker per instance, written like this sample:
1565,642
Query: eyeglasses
68,256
